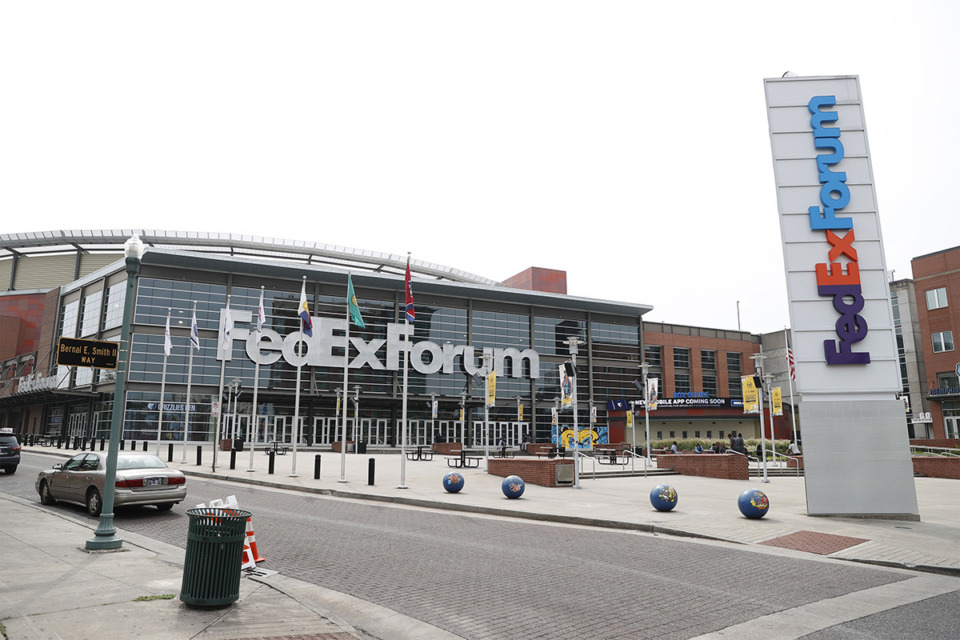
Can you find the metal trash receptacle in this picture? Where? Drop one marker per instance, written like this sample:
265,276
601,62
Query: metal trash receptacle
211,567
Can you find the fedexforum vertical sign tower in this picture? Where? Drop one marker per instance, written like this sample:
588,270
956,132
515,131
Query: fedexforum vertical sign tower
856,452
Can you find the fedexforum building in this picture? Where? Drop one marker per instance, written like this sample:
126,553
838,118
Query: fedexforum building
72,284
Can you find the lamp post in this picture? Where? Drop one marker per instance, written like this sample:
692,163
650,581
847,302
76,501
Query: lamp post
463,418
758,365
573,343
487,365
357,431
105,537
644,367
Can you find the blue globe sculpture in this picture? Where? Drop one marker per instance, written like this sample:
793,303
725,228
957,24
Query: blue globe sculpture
513,486
453,482
753,503
663,497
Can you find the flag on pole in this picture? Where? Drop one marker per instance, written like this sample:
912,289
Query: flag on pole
352,305
790,361
304,311
261,317
226,330
195,331
167,343
411,314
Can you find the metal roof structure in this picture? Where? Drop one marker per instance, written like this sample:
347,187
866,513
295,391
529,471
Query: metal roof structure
110,241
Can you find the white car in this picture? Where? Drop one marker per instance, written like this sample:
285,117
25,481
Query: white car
142,478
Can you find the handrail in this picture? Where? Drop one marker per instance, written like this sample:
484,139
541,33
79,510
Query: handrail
593,458
776,458
945,452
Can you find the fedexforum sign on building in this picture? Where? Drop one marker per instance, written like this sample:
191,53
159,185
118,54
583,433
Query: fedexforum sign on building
856,453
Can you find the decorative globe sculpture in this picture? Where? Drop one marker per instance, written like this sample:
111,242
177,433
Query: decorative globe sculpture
453,482
513,486
753,503
663,497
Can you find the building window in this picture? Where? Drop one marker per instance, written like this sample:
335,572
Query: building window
942,341
937,298
710,384
708,360
947,380
733,376
681,358
681,382
653,355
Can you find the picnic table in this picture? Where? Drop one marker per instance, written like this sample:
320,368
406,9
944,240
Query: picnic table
464,461
422,452
278,447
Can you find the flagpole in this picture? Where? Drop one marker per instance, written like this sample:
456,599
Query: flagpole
225,345
163,378
408,312
190,347
346,365
296,402
256,382
791,367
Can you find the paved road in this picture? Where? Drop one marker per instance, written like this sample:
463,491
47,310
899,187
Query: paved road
481,577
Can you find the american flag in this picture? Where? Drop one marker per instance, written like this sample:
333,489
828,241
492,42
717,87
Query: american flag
791,362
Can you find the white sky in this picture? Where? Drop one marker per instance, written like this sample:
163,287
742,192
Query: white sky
624,142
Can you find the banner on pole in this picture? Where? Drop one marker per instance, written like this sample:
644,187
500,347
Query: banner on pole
491,388
751,401
652,384
777,398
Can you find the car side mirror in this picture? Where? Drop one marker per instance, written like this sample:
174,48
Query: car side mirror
59,465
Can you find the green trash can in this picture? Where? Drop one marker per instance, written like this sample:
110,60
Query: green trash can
211,568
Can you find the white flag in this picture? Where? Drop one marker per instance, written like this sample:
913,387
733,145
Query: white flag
195,331
226,331
167,344
261,317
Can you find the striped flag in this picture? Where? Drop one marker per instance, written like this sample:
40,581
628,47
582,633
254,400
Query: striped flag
226,330
306,323
261,316
195,330
167,343
790,361
411,314
352,307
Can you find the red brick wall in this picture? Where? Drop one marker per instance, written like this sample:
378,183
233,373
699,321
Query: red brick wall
946,443
539,279
448,448
936,467
28,308
541,471
711,465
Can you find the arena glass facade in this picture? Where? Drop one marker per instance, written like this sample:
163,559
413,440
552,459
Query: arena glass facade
455,323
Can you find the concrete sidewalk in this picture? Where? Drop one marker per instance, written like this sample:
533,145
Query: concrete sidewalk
51,588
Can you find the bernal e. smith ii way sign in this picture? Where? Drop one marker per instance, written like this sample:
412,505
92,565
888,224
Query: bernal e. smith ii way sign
73,352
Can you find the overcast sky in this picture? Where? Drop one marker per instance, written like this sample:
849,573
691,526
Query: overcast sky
623,142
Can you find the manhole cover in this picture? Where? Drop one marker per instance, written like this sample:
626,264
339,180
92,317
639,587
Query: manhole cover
814,542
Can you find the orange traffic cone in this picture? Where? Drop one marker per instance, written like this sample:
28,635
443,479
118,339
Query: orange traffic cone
248,561
252,541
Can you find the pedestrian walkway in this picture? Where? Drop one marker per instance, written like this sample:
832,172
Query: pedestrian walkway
52,588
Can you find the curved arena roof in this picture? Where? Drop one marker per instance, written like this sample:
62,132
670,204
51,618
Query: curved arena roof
75,253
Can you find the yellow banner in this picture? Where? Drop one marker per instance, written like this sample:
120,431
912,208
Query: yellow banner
519,413
777,397
491,388
629,417
461,414
751,399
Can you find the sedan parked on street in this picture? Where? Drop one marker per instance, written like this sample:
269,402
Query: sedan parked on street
142,478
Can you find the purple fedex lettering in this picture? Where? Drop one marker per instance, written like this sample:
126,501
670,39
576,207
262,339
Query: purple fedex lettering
851,327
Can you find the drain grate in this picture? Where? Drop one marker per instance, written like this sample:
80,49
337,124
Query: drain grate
814,542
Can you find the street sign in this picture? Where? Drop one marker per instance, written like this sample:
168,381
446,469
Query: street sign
73,352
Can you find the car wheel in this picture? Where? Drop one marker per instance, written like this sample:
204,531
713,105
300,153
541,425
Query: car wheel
11,470
165,506
94,504
45,497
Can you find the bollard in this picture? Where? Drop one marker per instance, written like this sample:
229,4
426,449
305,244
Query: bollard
103,443
93,443
169,452
370,471
270,464
122,443
233,459
83,444
59,442
316,467
145,443
199,454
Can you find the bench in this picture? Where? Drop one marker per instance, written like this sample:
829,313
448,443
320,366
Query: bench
504,453
277,448
463,461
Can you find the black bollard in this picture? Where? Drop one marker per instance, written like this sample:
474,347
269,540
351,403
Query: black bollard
316,467
93,443
199,454
122,443
83,444
371,467
169,452
103,443
270,464
233,459
59,442
145,443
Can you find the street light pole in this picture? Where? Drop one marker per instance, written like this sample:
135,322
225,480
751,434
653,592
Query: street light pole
758,357
105,537
645,366
487,365
573,343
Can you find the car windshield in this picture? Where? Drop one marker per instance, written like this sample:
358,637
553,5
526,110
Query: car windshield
145,461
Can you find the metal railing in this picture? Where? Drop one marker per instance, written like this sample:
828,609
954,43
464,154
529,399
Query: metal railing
626,453
923,450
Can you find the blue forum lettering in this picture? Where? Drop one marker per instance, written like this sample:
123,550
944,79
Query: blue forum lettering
832,280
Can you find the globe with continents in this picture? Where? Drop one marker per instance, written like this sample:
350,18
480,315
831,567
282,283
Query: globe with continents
453,482
753,503
513,486
663,497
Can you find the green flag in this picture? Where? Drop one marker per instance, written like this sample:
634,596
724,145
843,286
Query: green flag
352,304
